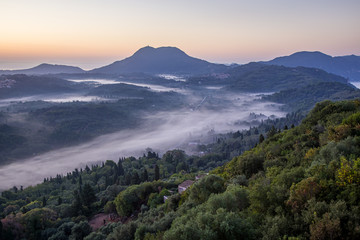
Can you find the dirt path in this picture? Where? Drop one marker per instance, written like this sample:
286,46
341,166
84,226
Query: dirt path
98,221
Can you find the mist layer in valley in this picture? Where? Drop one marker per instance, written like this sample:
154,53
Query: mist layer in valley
122,115
161,132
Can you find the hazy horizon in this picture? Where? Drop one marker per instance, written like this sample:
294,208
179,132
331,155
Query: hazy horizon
94,33
89,64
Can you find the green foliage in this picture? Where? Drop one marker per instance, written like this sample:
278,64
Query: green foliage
123,232
216,218
300,183
306,180
349,172
95,236
37,220
132,198
353,120
200,191
80,230
259,77
88,195
304,98
302,192
156,199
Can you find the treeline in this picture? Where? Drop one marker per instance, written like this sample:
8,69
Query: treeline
234,144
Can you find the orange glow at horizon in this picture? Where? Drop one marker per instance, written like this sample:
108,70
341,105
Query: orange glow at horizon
237,31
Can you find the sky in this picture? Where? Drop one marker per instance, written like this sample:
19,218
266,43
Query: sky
94,33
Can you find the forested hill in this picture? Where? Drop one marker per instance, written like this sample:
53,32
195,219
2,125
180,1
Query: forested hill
346,66
304,182
20,85
257,77
298,183
305,97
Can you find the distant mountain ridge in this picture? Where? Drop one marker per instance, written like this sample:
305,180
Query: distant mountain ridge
172,60
346,66
160,60
45,69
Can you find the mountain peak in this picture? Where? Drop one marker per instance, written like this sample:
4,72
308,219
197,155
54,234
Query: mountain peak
144,50
160,52
309,54
160,60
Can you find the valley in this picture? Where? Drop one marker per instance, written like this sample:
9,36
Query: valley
78,144
195,115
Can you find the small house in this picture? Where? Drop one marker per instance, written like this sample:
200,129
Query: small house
184,185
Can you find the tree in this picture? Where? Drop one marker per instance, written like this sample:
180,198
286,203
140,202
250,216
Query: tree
157,172
135,179
261,138
80,231
44,201
271,132
325,228
202,189
127,179
80,180
95,236
88,195
144,176
120,168
76,206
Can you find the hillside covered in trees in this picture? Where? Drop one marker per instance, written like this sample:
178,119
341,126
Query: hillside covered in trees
297,183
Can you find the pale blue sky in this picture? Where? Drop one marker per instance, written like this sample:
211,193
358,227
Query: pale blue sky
91,33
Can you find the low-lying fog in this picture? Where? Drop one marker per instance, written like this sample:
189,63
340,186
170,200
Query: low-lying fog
161,132
58,98
152,87
61,98
100,81
356,84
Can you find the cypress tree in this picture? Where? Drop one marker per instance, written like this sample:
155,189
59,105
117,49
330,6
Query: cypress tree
157,172
120,168
88,195
261,138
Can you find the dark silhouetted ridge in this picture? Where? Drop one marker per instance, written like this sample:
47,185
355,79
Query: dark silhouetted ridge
160,60
346,66
46,69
